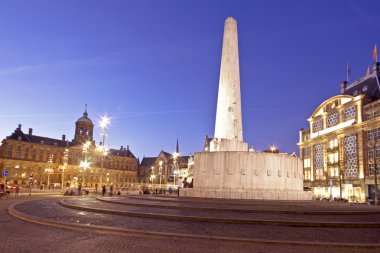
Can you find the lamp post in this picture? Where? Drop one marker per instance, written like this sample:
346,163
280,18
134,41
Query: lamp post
376,139
152,177
85,164
160,163
49,170
175,163
103,124
63,167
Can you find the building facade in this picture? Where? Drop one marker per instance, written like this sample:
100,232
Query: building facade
341,147
47,162
166,168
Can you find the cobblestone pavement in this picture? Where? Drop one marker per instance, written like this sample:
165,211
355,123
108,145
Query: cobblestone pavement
21,236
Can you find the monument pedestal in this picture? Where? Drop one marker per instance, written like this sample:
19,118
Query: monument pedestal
247,175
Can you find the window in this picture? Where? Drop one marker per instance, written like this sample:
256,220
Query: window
18,152
306,163
47,155
306,152
10,151
26,153
334,158
33,154
349,113
334,172
370,135
371,168
351,155
41,156
333,143
307,175
333,120
317,126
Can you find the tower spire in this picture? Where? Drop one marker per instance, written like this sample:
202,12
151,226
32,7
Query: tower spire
177,147
85,114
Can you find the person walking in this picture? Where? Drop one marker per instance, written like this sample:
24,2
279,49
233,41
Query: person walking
79,188
17,189
179,182
96,188
111,189
104,190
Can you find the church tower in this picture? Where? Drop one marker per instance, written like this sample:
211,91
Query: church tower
84,129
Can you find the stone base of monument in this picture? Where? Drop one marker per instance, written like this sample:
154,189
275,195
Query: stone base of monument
245,194
247,175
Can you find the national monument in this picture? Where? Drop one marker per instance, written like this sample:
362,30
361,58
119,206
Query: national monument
225,168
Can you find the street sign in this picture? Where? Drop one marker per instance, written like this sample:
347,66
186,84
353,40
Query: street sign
5,173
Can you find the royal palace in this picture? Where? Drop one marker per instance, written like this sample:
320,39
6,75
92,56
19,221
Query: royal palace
53,163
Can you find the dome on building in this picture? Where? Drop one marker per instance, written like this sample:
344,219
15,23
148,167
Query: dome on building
85,118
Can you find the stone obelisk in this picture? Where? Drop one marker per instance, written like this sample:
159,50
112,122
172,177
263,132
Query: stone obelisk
228,134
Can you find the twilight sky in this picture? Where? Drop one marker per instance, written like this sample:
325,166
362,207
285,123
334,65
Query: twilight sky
153,66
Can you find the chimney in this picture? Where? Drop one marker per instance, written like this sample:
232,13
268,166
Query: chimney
343,86
30,131
121,148
127,147
63,137
19,126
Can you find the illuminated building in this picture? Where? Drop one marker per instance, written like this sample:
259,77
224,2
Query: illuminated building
24,154
341,148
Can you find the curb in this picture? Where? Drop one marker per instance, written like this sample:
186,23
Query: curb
170,236
239,210
225,220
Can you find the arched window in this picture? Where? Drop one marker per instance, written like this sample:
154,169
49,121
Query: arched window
18,152
26,153
81,131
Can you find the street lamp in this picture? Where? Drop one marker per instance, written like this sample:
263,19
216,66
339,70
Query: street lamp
49,170
63,167
160,163
175,163
103,124
85,164
152,177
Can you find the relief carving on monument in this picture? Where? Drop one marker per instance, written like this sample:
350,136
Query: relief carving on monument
244,168
279,173
269,172
256,172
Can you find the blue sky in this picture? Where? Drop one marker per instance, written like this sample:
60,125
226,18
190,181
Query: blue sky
153,66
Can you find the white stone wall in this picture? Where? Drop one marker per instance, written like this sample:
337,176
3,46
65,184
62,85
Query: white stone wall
247,170
248,175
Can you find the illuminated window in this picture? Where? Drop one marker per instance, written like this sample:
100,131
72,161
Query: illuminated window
333,143
350,149
306,163
371,168
307,175
318,161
